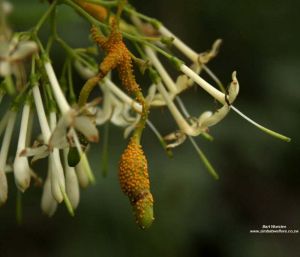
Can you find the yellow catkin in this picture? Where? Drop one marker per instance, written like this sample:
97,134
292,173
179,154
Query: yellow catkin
134,181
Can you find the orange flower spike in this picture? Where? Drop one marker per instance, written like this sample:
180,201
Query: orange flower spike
96,10
116,48
134,181
117,56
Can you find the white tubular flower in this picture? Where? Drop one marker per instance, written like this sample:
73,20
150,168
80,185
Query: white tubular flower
56,89
3,155
70,117
57,173
179,44
82,173
48,202
22,170
72,186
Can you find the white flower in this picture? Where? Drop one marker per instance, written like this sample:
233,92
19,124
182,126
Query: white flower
48,202
22,171
4,153
72,186
14,51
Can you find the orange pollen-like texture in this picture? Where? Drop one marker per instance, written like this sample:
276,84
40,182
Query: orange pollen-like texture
117,56
133,173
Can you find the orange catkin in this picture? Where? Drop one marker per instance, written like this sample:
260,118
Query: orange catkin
134,181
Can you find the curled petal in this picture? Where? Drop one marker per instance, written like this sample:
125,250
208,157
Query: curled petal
40,150
177,137
84,125
131,127
58,138
208,119
233,89
23,50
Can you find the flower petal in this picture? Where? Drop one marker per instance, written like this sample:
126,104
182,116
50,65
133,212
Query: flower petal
48,203
84,125
22,173
23,50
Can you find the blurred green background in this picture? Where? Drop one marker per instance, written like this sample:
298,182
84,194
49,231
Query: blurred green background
195,215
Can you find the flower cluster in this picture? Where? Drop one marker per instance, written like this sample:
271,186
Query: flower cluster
68,122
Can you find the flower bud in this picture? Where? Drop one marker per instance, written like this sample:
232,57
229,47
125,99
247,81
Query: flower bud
48,203
22,173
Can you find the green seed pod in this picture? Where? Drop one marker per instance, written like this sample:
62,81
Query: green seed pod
134,181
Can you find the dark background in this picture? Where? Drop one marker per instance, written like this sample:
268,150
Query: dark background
195,215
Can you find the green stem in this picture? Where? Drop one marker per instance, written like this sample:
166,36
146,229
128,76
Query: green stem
104,3
72,95
204,159
9,85
105,150
44,17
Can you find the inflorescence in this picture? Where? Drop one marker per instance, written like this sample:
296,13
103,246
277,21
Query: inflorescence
68,121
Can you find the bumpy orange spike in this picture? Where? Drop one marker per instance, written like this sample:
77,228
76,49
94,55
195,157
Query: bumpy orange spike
134,181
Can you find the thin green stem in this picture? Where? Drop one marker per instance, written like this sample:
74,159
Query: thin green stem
262,128
204,159
104,3
105,160
44,17
72,95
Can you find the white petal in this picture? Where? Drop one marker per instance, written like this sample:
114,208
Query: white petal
24,49
32,151
48,203
5,68
3,187
82,175
22,173
207,120
178,138
118,117
233,88
72,186
130,128
84,125
57,176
